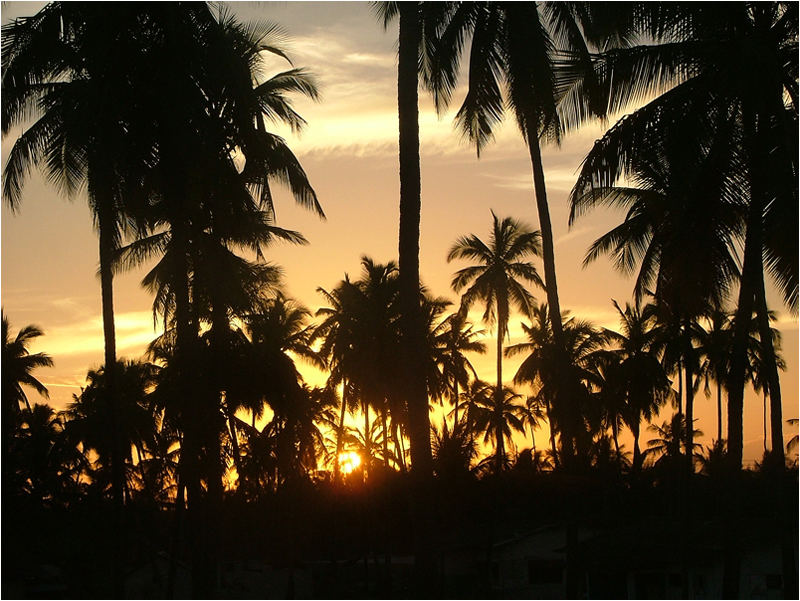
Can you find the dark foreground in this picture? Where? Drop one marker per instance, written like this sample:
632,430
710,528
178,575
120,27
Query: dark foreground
517,536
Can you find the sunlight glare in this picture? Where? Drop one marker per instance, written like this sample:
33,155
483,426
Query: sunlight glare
349,461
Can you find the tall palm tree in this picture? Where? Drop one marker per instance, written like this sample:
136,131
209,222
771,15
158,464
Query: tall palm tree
533,58
678,230
498,279
417,23
718,68
69,66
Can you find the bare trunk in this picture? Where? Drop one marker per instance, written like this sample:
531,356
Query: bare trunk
340,434
412,335
751,267
689,440
719,409
106,218
773,384
411,326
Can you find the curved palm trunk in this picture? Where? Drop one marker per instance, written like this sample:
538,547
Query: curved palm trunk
106,220
719,408
549,263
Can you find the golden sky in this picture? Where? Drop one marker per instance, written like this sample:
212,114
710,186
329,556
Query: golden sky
349,150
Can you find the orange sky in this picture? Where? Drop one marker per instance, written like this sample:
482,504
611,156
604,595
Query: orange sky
349,150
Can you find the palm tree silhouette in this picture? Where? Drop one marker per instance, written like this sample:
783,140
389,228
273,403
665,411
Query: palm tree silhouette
495,415
417,22
18,365
455,336
699,59
665,449
641,378
682,208
561,386
497,279
533,59
715,346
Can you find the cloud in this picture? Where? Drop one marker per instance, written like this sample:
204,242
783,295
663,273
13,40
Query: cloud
134,331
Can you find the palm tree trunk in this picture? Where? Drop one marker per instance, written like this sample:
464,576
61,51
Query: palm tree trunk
689,441
751,267
455,403
773,384
411,325
549,263
367,440
237,456
385,438
398,443
719,409
340,433
556,461
533,440
107,226
543,210
680,386
637,452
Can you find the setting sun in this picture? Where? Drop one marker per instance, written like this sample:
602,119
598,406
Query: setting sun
349,461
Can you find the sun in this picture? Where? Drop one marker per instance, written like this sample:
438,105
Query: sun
349,461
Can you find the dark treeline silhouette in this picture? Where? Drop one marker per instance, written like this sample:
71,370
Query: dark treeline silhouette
212,450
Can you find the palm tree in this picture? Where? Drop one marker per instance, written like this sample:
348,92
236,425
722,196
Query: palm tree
497,279
758,371
88,418
699,58
417,23
677,231
535,60
665,448
715,347
360,339
18,365
641,378
559,375
496,416
69,66
453,337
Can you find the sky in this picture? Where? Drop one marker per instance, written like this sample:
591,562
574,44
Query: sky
49,256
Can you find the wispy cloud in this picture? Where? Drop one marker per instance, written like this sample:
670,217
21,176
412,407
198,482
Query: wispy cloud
134,331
